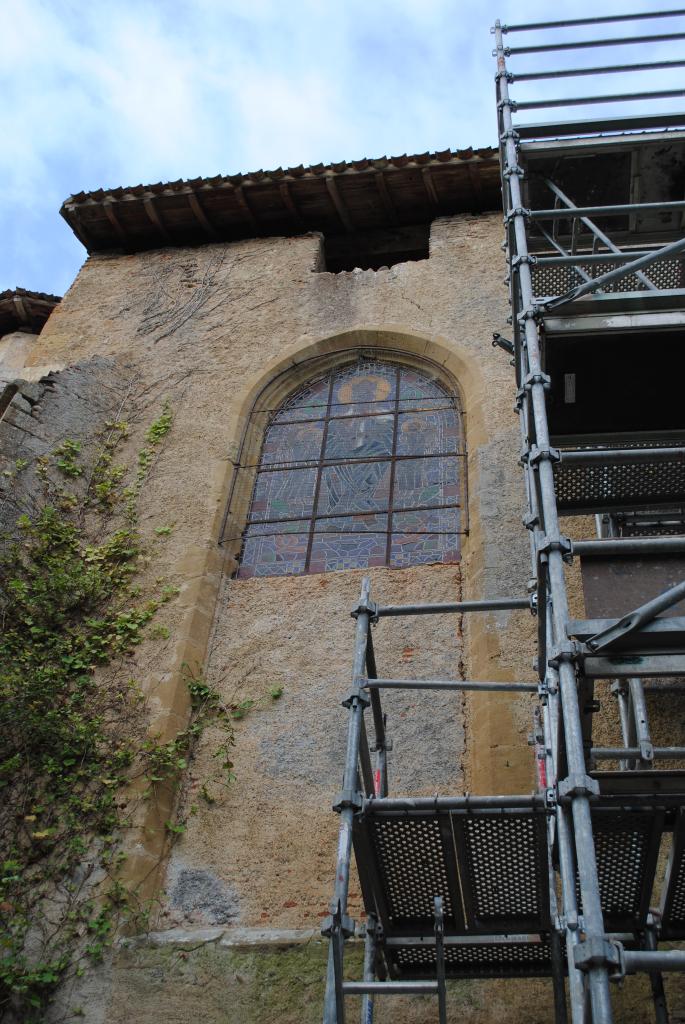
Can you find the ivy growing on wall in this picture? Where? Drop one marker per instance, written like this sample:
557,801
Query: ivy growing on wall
71,739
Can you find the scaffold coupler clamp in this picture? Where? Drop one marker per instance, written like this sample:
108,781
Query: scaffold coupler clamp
559,542
358,693
546,381
507,75
516,171
530,520
509,133
516,211
577,784
599,951
349,798
567,650
533,312
338,923
366,605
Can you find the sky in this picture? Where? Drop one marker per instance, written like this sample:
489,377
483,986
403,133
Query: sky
101,93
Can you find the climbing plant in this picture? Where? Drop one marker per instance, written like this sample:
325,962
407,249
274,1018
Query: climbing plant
69,606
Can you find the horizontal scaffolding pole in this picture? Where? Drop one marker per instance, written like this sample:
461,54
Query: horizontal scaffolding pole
619,97
390,988
589,126
631,546
495,605
584,44
606,20
582,457
517,802
620,753
580,258
657,65
448,684
627,665
653,960
618,210
618,273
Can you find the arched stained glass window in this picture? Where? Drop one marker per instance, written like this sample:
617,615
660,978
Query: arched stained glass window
359,468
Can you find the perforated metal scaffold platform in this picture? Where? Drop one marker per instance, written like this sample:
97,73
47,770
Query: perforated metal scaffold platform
583,880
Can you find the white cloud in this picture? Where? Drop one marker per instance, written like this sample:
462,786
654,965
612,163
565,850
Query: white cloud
98,94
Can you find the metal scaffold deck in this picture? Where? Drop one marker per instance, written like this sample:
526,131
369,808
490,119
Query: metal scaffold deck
582,881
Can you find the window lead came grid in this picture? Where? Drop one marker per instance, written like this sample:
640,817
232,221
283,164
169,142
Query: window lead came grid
359,468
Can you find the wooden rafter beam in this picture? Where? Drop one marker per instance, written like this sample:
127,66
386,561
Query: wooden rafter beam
338,203
76,224
241,199
154,217
201,216
111,216
385,197
21,310
476,184
429,186
289,203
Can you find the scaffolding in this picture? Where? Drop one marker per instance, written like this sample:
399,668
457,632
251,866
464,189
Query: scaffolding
564,882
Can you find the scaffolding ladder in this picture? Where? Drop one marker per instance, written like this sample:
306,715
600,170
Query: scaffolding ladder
560,883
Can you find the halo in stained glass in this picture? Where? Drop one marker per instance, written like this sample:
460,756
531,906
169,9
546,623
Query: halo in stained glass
364,387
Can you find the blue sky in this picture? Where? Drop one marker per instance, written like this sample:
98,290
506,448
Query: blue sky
100,93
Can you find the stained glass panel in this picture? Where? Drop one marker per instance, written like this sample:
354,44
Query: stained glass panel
295,442
354,487
417,392
308,404
284,494
364,387
432,481
283,554
427,433
445,520
386,428
359,437
333,551
412,549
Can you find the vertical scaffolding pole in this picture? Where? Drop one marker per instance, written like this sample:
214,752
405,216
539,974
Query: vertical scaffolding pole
577,787
339,926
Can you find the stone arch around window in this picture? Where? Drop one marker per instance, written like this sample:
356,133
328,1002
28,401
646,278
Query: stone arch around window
363,465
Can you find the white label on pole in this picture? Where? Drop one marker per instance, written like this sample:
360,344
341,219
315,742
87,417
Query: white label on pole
569,388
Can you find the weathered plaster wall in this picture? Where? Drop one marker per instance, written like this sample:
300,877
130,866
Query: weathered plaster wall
268,841
222,330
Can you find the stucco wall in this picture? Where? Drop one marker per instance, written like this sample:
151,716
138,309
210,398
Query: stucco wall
220,330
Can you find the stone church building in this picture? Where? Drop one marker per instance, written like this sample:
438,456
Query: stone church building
322,338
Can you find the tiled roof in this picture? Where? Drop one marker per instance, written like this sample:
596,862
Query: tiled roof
22,310
348,196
